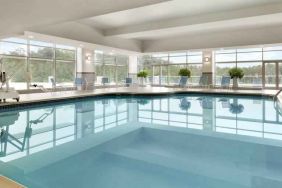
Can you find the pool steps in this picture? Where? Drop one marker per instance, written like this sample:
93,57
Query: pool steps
237,161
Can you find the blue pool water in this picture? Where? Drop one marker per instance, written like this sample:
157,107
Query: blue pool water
187,140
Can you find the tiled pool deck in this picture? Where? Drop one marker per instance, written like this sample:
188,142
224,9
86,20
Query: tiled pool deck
55,96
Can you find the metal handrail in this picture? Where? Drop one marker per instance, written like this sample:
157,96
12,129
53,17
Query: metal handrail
277,94
278,108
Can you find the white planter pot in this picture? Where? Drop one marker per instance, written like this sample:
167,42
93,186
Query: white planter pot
235,83
142,81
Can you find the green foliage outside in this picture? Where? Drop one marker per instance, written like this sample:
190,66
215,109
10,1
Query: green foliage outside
113,67
142,74
184,72
167,69
41,65
236,73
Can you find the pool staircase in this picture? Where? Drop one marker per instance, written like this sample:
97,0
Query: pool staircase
216,162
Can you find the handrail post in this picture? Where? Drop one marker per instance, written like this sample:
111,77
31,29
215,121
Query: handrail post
277,94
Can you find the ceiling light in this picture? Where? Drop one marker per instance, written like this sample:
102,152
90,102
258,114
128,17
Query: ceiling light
30,36
88,57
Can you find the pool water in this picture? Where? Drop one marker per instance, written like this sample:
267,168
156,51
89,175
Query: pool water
185,140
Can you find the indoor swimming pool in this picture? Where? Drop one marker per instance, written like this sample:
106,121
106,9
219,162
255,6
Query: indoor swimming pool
181,140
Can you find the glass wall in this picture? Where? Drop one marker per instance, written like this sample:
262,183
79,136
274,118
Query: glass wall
114,67
163,68
29,62
65,64
251,61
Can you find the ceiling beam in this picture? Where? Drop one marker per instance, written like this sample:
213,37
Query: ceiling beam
141,30
17,16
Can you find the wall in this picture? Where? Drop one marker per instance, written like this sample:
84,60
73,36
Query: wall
85,67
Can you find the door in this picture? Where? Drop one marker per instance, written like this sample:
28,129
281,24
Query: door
156,75
160,73
272,75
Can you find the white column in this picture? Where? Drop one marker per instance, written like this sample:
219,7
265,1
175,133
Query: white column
85,66
208,64
133,67
133,64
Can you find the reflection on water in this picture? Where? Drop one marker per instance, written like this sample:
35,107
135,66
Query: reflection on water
28,131
243,116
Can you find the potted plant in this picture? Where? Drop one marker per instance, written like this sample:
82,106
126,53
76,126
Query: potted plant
184,75
142,75
236,73
184,72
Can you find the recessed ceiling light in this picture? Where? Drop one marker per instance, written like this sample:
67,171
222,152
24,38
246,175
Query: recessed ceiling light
81,45
30,36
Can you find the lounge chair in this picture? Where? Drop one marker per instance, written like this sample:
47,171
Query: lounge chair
183,81
81,83
128,82
203,82
56,86
105,80
225,82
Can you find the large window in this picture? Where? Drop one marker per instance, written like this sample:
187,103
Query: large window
65,64
251,61
14,62
41,71
114,67
35,62
121,68
163,68
15,68
248,59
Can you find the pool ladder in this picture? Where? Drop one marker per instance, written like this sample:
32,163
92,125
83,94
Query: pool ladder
277,94
278,103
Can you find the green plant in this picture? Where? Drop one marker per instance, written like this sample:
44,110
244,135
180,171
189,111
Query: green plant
184,72
142,74
236,73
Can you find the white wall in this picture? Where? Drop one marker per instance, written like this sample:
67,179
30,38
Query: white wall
207,65
84,65
133,64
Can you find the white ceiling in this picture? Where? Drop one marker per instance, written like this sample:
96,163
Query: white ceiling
129,24
16,16
169,10
209,27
